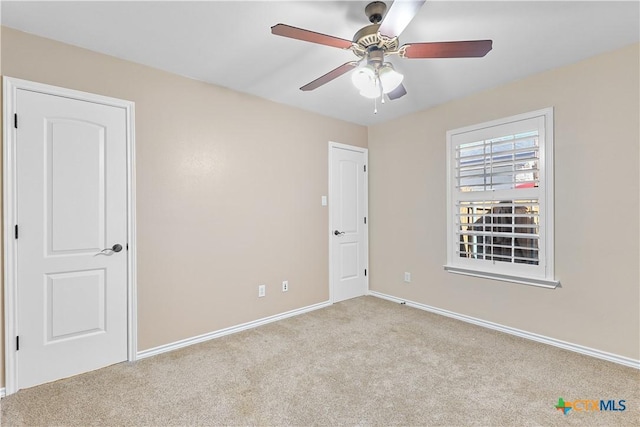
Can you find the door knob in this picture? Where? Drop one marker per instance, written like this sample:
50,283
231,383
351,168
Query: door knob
337,233
115,248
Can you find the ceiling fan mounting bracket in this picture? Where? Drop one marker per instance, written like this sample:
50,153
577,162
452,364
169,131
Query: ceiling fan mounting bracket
375,11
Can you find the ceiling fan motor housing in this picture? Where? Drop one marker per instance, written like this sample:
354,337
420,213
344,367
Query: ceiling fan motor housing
369,37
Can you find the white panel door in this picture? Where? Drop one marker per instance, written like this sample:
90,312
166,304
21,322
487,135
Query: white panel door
71,186
348,223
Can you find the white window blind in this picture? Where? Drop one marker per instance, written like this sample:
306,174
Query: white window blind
507,162
498,208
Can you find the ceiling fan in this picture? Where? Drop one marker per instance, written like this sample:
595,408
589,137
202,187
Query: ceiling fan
373,75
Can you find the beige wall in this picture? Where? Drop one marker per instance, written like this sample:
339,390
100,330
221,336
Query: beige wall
596,206
228,190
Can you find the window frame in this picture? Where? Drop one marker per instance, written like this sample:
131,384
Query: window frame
541,274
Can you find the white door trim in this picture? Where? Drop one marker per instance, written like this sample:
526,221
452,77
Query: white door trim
365,151
10,88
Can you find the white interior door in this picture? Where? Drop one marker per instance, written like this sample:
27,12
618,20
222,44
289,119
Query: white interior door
71,209
348,222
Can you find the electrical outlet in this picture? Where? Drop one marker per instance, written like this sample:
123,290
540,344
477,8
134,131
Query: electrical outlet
262,291
407,277
285,286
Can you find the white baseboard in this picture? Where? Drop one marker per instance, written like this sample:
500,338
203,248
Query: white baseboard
3,392
227,331
622,360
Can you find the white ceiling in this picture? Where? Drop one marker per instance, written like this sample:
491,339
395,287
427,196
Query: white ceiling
228,43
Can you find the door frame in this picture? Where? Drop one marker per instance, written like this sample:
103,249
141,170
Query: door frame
365,151
10,89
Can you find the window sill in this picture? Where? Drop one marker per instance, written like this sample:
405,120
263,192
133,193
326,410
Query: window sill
543,283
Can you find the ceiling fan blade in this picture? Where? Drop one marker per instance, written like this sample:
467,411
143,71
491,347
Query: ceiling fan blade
398,92
398,17
333,74
461,49
309,36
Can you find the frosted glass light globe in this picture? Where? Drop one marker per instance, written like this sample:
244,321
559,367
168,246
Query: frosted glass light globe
389,78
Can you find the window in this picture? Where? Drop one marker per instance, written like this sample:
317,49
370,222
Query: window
500,199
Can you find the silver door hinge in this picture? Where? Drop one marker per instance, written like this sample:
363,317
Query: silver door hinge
365,168
365,219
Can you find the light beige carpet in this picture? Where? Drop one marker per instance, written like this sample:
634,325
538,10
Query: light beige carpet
364,361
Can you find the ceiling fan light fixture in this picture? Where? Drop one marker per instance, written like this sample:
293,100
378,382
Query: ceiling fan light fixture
389,78
364,78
